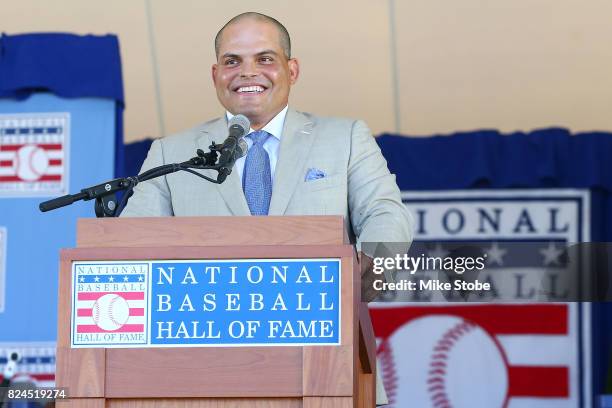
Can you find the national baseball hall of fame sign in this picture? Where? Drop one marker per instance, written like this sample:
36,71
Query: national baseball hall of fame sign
198,303
483,355
34,151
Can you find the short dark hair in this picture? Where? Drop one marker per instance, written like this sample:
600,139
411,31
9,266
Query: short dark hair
285,39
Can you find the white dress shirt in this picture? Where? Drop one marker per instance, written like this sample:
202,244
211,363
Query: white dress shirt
271,145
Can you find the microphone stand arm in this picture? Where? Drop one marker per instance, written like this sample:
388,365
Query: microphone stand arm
105,194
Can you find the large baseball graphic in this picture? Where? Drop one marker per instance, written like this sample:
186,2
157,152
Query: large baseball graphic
110,312
31,162
446,360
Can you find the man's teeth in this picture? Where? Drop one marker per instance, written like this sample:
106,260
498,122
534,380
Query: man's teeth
252,89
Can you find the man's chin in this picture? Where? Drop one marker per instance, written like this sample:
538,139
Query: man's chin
254,114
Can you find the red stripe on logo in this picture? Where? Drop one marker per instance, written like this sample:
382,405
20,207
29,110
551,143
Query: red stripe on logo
126,328
44,146
37,377
50,146
6,163
134,311
55,162
11,148
54,177
96,295
496,319
532,381
43,377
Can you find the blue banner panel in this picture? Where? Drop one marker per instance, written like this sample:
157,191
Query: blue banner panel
206,303
517,354
49,146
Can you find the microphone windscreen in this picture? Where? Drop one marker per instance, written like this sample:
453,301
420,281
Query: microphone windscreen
241,148
241,121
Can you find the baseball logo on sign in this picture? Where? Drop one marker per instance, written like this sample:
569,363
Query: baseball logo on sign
448,360
34,150
31,162
472,356
110,312
109,304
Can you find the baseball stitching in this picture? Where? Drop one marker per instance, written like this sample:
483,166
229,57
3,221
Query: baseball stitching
110,312
436,380
31,163
389,372
96,312
16,163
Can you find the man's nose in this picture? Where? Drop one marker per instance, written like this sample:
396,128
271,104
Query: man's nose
249,69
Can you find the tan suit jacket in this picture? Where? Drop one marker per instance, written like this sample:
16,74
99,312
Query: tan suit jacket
357,182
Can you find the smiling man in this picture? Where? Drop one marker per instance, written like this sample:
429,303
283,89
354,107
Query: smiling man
297,163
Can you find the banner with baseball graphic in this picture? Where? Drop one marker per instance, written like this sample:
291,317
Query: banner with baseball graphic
490,355
61,114
49,146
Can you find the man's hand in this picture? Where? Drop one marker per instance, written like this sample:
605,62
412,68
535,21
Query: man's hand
368,293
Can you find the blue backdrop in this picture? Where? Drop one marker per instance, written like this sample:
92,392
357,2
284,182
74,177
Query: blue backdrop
544,158
67,65
44,74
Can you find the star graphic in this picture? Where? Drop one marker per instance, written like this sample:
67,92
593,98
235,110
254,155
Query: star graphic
111,279
495,254
97,279
551,254
140,279
126,279
81,279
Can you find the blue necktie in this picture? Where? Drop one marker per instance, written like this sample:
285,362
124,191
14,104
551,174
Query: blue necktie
257,177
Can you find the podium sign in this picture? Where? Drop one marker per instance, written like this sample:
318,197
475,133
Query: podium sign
183,303
214,312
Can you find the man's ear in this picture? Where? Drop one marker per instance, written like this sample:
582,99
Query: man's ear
213,72
294,70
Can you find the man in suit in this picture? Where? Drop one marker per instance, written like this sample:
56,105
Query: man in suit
317,165
297,163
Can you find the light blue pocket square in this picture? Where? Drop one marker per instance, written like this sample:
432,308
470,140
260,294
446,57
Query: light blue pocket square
314,174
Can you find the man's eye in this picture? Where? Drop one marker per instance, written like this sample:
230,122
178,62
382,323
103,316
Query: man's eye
231,62
266,59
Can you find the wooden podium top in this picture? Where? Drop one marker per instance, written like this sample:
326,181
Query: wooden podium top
211,231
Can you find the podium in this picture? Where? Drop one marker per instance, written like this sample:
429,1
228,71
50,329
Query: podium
311,376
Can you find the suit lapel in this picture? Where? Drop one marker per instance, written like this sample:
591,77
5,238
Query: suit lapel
294,148
231,188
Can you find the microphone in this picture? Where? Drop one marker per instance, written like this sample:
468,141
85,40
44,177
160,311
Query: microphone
234,147
241,148
238,126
